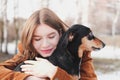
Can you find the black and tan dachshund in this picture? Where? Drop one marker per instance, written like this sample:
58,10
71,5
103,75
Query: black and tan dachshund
72,45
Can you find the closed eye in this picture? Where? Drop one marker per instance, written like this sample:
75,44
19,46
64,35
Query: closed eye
37,39
90,36
51,37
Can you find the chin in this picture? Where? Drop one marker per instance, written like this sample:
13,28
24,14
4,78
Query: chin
46,55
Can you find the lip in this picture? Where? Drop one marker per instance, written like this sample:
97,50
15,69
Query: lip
46,51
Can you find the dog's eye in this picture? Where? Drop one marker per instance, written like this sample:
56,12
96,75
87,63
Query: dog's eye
90,36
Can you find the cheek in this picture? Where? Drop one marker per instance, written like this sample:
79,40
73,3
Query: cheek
35,44
56,40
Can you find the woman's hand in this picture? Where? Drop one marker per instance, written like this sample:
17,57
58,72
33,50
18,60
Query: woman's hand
40,68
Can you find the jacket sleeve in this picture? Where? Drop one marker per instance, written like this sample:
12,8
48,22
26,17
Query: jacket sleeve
6,69
62,75
87,69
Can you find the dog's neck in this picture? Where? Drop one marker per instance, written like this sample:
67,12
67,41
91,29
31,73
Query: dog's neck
73,47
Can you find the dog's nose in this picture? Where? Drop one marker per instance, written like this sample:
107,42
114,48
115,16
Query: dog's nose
103,44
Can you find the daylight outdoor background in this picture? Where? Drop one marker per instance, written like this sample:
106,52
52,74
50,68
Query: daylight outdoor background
102,16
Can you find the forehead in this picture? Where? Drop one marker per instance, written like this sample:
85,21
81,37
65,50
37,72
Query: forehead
43,29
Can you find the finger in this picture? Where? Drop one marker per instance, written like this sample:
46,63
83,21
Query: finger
25,66
29,62
39,59
27,69
30,73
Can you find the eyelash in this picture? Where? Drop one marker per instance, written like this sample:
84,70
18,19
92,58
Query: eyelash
48,37
37,39
51,37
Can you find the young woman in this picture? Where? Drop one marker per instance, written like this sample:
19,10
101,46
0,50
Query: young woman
39,39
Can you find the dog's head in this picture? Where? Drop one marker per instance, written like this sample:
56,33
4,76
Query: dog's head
80,38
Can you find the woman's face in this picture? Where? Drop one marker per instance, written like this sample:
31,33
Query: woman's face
45,40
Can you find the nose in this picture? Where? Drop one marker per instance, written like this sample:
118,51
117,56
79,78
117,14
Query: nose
103,45
45,43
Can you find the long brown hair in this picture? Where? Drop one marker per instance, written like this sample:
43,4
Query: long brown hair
45,16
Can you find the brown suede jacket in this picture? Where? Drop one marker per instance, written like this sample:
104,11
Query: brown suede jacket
7,73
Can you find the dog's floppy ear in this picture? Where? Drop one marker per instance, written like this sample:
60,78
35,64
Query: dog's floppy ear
66,37
70,36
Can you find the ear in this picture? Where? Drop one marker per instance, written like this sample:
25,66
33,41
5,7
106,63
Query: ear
71,36
65,38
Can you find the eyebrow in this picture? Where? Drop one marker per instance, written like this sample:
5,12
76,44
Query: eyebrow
47,35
